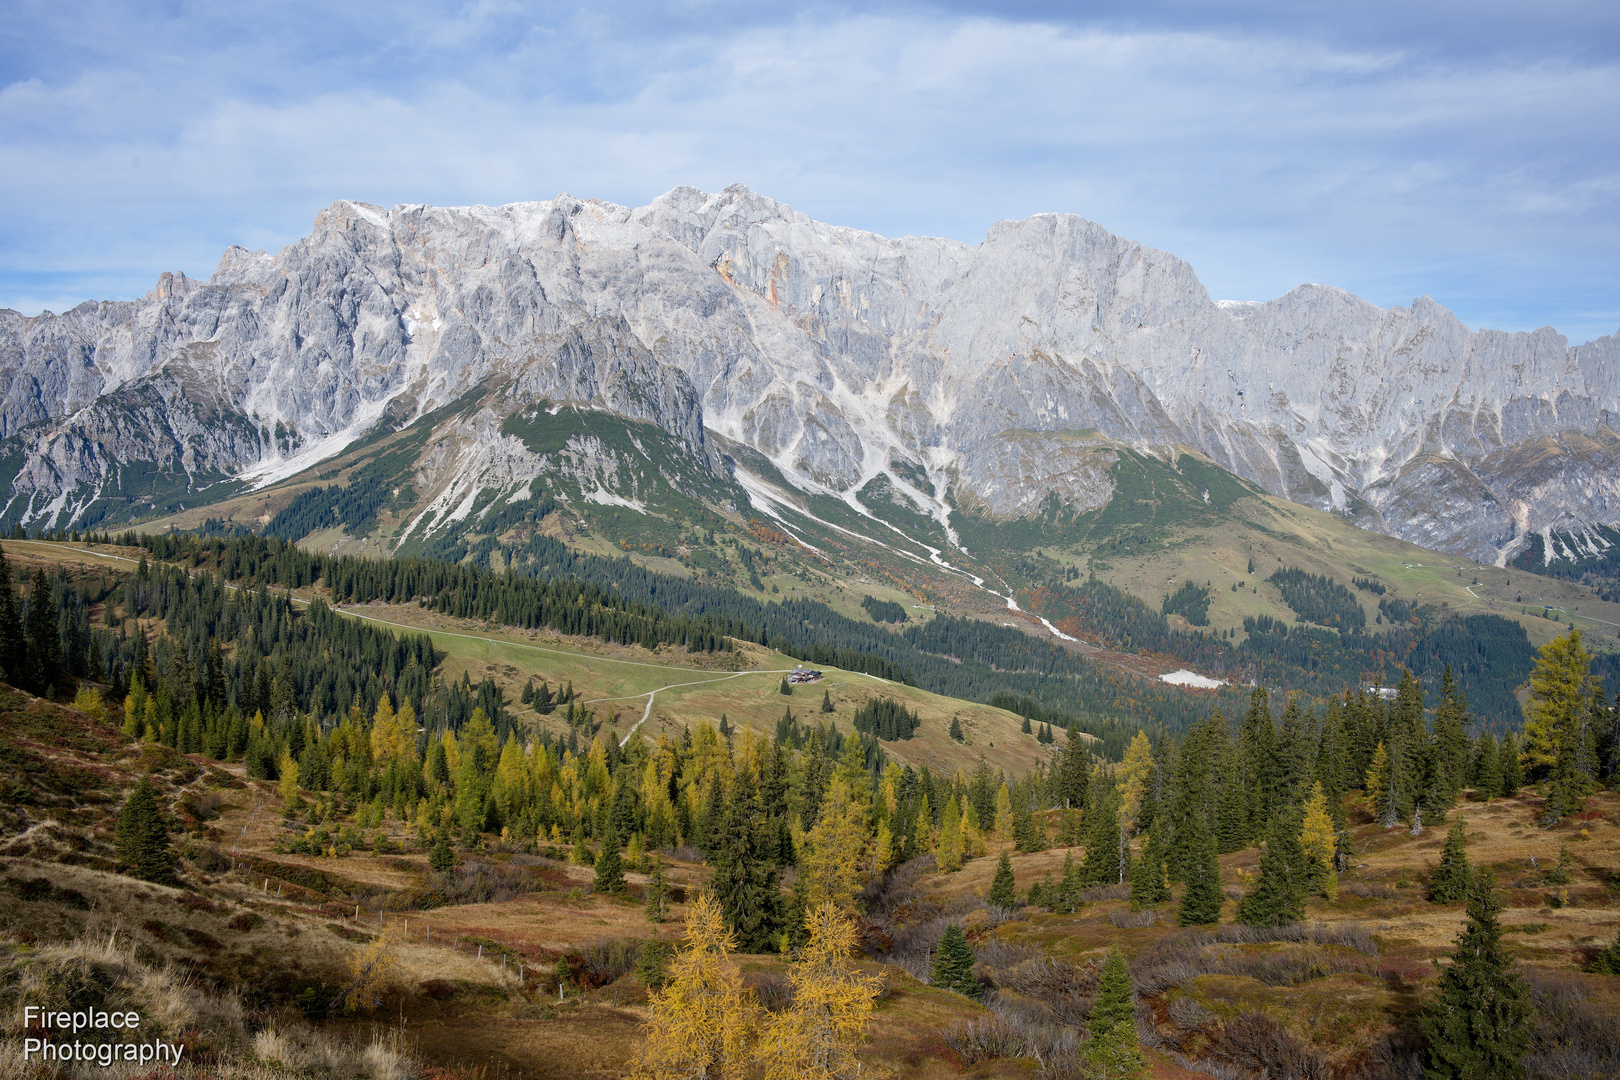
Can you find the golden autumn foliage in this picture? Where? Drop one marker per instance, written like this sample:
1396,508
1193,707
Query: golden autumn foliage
1375,771
1319,840
288,785
837,844
702,1026
371,969
1134,773
817,1037
948,848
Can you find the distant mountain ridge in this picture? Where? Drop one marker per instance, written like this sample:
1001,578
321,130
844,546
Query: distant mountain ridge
950,376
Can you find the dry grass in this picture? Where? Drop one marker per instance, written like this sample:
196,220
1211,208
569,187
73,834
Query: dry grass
175,1006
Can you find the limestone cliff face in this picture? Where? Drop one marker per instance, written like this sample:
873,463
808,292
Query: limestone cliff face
838,354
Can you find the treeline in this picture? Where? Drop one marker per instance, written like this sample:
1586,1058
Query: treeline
1319,599
883,610
618,600
1190,601
886,718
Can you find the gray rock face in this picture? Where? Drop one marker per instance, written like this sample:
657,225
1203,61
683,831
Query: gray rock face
835,353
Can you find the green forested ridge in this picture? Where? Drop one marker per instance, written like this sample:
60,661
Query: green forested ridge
1600,570
1190,601
1319,599
883,610
1490,656
619,600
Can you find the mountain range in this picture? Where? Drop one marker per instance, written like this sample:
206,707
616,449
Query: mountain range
782,364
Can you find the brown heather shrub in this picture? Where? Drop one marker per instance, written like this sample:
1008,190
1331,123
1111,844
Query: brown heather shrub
602,962
1316,953
774,990
1258,1045
1574,1038
1099,893
1132,920
1367,891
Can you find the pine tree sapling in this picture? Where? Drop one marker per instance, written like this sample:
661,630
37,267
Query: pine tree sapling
1607,961
953,964
1478,1023
142,839
1113,1051
441,859
1003,888
610,865
1449,885
657,892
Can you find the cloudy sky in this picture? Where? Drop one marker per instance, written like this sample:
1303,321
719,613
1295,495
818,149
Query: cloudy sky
1467,151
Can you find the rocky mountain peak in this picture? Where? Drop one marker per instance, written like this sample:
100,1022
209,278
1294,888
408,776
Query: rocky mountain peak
833,352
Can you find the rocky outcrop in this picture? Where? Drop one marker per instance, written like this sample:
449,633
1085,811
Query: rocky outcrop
838,354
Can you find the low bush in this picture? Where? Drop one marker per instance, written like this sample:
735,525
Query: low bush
1575,1038
1315,953
774,991
602,962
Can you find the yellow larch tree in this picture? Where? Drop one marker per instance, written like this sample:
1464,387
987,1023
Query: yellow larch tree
371,969
816,1038
288,785
883,851
393,734
948,848
1559,692
922,836
832,865
1134,773
702,1026
1004,816
1374,780
972,837
1319,840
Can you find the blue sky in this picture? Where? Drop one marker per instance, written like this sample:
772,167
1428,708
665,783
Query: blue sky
1467,151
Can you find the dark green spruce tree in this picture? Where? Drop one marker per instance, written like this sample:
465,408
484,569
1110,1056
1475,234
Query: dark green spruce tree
1512,767
1105,863
13,642
1201,903
953,964
1450,773
1147,872
1113,1050
1278,898
744,880
1003,888
1487,767
1450,881
142,839
1478,1023
44,661
441,859
610,864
